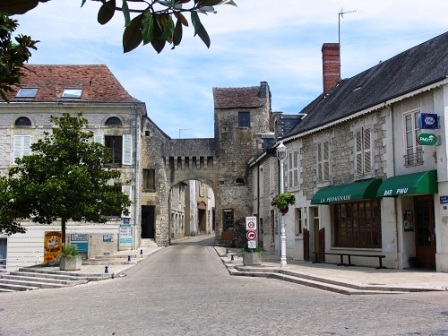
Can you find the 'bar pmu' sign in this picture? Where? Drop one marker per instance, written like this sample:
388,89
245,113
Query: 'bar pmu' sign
427,139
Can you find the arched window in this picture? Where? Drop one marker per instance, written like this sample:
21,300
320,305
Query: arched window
113,121
23,121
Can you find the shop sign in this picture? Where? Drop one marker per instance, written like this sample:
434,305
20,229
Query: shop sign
429,121
427,139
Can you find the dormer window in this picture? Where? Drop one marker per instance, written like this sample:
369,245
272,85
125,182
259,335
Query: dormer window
72,93
27,93
22,121
113,121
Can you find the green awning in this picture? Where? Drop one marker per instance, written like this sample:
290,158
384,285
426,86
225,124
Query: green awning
411,184
347,192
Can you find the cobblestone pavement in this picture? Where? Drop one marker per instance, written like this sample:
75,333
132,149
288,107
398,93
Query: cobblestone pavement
185,290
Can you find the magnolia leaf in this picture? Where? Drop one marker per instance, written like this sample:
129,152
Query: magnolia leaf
209,3
83,2
17,7
147,27
132,36
182,19
199,29
127,15
207,9
168,30
230,2
177,36
106,12
165,3
157,42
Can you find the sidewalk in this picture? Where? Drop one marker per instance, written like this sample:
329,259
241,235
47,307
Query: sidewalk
361,278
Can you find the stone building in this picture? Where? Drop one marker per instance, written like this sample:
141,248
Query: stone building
368,166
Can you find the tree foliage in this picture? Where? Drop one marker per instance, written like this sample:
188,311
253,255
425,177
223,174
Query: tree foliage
65,178
146,21
13,54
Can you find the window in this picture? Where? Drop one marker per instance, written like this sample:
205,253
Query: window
113,121
293,169
27,93
149,179
72,93
363,149
323,161
357,224
121,147
22,121
243,119
413,151
21,146
298,221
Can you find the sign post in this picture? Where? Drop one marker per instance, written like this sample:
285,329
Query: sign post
251,232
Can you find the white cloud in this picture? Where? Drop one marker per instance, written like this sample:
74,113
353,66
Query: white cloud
260,40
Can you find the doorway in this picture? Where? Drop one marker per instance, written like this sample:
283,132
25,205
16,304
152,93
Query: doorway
3,253
425,237
148,221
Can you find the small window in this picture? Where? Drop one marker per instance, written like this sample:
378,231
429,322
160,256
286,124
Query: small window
149,179
115,144
23,121
240,180
71,93
243,119
27,93
113,121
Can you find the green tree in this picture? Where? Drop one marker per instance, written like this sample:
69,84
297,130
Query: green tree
65,178
13,55
146,21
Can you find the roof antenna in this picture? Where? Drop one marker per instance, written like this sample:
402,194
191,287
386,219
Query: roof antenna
341,15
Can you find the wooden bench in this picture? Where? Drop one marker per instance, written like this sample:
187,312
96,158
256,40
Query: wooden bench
349,255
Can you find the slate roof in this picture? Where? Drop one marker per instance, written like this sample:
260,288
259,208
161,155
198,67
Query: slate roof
408,71
97,82
243,97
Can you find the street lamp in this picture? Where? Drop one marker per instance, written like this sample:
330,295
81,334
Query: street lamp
281,156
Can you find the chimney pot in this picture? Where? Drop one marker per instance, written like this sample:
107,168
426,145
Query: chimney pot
331,65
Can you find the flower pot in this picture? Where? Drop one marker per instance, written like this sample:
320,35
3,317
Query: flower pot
70,264
252,258
284,210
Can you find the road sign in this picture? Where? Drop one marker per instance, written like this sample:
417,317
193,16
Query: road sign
251,235
251,223
252,244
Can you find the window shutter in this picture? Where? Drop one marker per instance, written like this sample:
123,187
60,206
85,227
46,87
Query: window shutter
127,189
358,150
326,160
319,162
21,146
127,149
99,138
367,151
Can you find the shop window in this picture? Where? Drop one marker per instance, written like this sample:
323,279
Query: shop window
149,179
357,224
243,119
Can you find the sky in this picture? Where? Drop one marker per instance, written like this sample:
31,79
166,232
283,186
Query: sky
259,40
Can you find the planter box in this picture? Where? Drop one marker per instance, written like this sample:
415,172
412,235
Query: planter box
72,264
252,259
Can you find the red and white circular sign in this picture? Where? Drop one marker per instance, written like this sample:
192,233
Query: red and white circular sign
251,235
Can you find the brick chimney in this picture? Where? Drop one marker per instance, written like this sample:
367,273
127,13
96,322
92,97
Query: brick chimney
331,67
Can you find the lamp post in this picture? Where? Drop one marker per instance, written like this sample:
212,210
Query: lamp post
281,156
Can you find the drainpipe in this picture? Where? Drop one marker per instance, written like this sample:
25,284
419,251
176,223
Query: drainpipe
136,179
258,204
397,246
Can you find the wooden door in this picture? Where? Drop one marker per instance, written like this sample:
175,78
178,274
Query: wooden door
306,244
322,245
425,237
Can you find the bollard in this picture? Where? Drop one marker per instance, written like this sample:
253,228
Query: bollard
231,257
141,252
129,258
106,269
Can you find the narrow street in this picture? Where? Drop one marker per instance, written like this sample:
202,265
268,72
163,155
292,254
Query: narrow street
185,290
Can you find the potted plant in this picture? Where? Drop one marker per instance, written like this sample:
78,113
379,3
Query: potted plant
69,259
251,256
282,201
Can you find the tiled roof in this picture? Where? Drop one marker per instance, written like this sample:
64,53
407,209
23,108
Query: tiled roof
98,84
244,97
410,70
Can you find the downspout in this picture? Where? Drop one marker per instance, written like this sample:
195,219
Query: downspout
258,204
397,246
136,180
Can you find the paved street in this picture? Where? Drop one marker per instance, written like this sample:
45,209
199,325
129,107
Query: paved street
185,290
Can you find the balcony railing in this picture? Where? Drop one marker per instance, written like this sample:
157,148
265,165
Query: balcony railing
414,159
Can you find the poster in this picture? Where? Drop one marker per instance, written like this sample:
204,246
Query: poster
52,246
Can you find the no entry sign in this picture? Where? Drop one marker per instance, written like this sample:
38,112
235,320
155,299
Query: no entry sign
251,235
251,223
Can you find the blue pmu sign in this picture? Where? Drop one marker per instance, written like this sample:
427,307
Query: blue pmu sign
429,121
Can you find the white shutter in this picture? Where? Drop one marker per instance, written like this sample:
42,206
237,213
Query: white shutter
21,146
367,151
358,152
127,149
326,161
127,189
99,138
